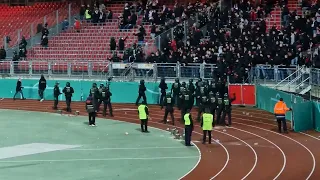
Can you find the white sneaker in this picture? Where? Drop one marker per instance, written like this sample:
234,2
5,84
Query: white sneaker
41,100
93,125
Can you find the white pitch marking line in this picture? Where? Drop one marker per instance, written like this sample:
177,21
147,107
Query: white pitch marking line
107,159
313,159
126,148
283,154
255,155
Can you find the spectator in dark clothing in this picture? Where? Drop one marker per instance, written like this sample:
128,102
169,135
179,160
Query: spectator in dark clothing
45,31
109,14
65,24
82,12
113,44
133,19
45,41
122,43
3,53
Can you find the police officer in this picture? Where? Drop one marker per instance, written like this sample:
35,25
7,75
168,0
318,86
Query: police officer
163,87
175,90
188,127
94,92
92,112
280,109
203,104
200,92
191,88
227,108
212,87
219,108
207,122
100,93
68,91
42,87
106,99
56,94
168,102
186,102
143,113
212,103
142,92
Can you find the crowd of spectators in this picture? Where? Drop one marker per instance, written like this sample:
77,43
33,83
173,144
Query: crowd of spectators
235,39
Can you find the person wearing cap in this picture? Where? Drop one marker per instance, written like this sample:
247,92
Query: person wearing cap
19,89
168,103
207,123
143,113
188,127
100,96
68,91
56,94
280,109
141,92
92,112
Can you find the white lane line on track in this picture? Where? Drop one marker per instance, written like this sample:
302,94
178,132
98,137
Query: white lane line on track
107,159
254,152
313,159
283,154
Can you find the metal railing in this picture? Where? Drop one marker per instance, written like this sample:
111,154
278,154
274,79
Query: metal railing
267,74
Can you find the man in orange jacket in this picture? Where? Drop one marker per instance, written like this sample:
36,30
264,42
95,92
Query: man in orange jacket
280,109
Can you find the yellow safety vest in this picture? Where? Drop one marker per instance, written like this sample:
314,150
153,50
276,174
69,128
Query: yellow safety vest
187,120
207,121
88,16
142,112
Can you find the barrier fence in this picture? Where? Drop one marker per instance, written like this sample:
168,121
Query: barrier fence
245,94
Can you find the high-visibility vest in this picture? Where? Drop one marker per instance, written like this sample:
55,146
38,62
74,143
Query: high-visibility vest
187,120
280,108
207,121
142,112
88,16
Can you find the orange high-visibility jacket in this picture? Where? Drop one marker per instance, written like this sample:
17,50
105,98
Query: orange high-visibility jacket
280,108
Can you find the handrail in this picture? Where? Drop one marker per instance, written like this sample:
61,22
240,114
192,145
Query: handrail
302,82
285,79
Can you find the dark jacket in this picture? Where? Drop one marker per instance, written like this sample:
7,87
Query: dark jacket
19,86
42,83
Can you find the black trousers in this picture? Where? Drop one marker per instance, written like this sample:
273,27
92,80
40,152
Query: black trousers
176,99
163,95
166,112
226,112
213,111
219,113
204,139
187,134
14,97
95,103
282,121
92,118
40,92
200,111
106,105
144,125
55,102
143,95
68,102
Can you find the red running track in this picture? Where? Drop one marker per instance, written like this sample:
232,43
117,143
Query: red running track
250,149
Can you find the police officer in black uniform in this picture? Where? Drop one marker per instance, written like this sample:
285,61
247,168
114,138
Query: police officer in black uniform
220,107
212,103
94,92
100,93
106,99
92,112
68,91
212,87
163,87
175,90
204,103
168,103
191,88
227,108
56,94
186,102
200,91
142,92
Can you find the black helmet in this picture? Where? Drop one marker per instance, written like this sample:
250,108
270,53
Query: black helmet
68,84
94,85
141,81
